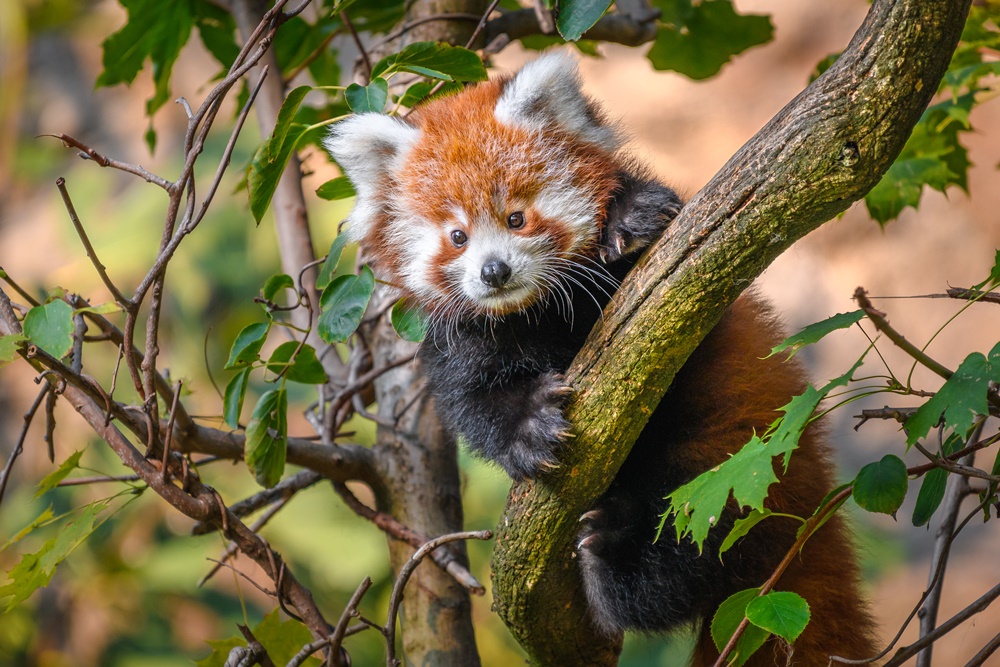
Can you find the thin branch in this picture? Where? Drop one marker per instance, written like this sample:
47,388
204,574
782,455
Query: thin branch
88,153
91,253
284,490
985,652
357,42
444,559
350,611
907,652
404,575
19,447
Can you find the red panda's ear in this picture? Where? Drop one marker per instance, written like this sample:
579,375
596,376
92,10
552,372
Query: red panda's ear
370,148
546,94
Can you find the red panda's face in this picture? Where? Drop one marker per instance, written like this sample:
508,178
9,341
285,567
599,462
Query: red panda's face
486,201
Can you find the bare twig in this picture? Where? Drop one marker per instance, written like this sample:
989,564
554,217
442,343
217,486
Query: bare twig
361,47
88,246
19,447
350,611
907,652
89,153
281,491
233,547
985,652
443,558
404,575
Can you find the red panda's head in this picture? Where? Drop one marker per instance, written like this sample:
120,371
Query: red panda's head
480,202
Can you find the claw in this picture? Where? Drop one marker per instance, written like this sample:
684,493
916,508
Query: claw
591,515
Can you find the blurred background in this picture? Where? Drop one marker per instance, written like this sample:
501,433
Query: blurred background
130,596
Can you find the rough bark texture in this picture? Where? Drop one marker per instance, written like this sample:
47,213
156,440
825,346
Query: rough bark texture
826,149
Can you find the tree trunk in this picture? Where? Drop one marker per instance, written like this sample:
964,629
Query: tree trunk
826,149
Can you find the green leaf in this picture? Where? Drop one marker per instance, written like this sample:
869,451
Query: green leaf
742,526
781,613
283,639
157,30
217,29
9,346
343,304
370,98
246,347
707,36
329,267
52,480
426,71
286,115
220,651
42,519
930,496
576,17
50,327
728,617
881,486
336,188
698,505
35,570
266,169
457,62
933,156
815,332
409,321
305,368
232,401
994,278
275,284
960,399
267,438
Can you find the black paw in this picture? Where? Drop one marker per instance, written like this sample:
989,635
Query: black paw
637,216
541,432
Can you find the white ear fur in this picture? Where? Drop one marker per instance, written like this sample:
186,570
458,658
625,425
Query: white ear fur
369,147
548,91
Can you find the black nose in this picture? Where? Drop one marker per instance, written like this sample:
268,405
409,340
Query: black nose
495,273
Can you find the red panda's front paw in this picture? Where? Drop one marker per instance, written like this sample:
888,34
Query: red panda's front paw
541,430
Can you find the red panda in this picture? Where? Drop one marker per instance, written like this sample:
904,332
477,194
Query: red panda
511,212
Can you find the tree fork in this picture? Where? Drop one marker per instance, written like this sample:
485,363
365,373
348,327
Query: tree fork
825,150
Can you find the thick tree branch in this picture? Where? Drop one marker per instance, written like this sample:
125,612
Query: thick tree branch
826,149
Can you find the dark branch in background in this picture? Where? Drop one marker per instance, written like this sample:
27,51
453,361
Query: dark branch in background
29,416
443,559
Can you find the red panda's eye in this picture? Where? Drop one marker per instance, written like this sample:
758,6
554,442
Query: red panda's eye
459,238
515,220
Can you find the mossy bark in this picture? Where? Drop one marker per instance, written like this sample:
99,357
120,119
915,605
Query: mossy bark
825,150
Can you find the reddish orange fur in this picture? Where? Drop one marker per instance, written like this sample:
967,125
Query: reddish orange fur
724,371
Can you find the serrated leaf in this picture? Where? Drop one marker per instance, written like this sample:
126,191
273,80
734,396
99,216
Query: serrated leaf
698,505
35,570
711,33
576,17
246,347
52,480
457,62
306,368
275,284
960,399
217,30
881,486
42,519
815,332
221,649
782,613
267,438
332,261
933,156
156,30
343,304
336,188
283,639
930,496
50,327
728,617
370,98
232,400
266,169
408,321
9,345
